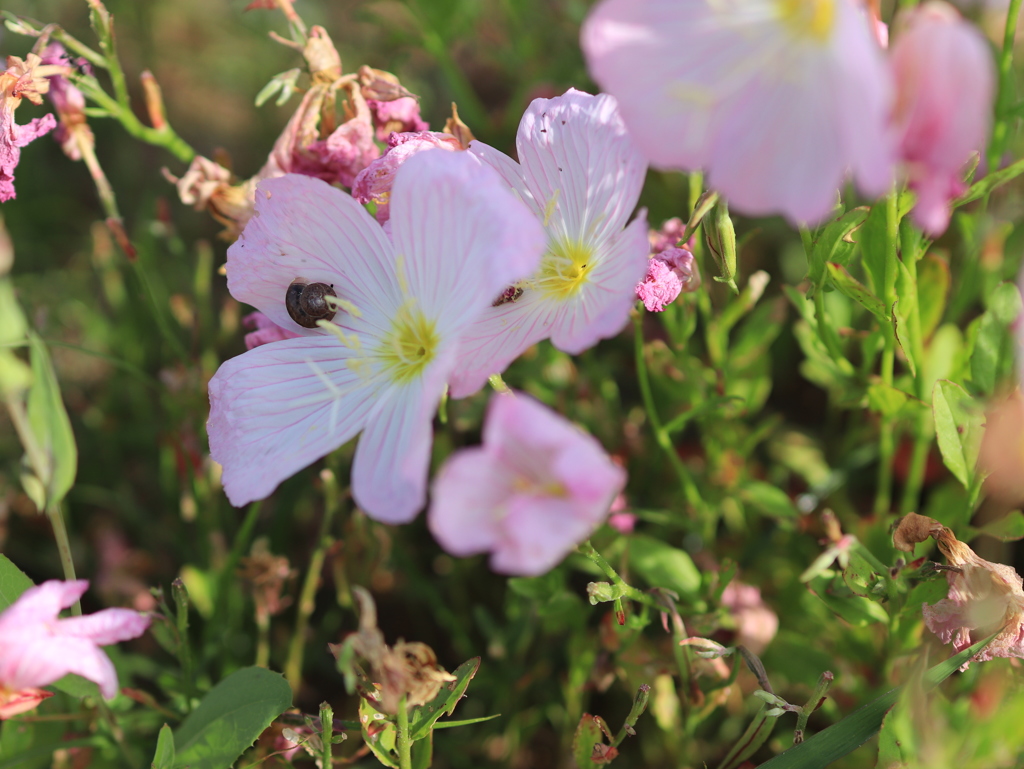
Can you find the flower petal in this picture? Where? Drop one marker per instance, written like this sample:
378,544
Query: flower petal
305,229
538,532
41,603
105,627
461,234
578,158
48,659
280,407
509,170
392,460
466,498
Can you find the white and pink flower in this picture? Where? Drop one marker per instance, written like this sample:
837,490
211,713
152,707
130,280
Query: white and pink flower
777,100
379,368
581,175
37,647
945,81
536,488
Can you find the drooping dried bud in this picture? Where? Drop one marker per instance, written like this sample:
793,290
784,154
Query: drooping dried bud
914,528
321,56
458,129
380,85
410,670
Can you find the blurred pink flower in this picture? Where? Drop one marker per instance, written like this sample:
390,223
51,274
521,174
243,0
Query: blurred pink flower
945,81
624,523
396,116
756,624
581,175
37,648
778,101
24,78
536,488
669,274
672,231
69,103
265,330
380,366
374,183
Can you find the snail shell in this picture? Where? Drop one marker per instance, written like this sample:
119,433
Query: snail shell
307,303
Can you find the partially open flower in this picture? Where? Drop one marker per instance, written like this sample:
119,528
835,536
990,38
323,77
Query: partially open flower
984,597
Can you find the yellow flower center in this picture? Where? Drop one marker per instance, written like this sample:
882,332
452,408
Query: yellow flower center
564,269
410,345
808,18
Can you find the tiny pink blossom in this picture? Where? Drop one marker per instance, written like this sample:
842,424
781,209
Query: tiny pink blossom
756,624
536,488
23,79
669,236
398,116
37,647
669,274
264,330
374,183
945,81
624,523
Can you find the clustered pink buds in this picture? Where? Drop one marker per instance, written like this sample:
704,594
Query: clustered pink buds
669,274
37,648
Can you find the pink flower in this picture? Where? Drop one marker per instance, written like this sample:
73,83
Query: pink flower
374,183
669,236
756,624
23,79
945,83
668,274
396,116
37,648
581,174
778,101
536,488
265,330
379,362
69,103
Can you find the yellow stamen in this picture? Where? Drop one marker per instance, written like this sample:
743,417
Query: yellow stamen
549,209
564,269
808,18
410,345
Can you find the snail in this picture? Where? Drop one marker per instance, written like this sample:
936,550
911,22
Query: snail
307,302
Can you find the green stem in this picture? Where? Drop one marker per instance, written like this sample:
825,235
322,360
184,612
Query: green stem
307,599
628,591
1001,129
404,743
915,475
60,533
887,432
660,434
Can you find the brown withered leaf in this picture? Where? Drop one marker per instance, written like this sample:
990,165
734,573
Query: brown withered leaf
914,528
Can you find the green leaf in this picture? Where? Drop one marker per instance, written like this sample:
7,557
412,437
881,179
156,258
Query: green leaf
889,754
379,734
874,246
424,717
885,399
857,728
464,722
994,344
768,499
958,427
857,291
662,565
1009,528
855,609
52,431
230,718
933,280
13,582
164,756
590,735
906,323
834,243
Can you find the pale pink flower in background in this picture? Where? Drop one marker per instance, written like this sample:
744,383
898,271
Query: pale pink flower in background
581,175
373,184
380,366
756,624
945,81
536,488
778,101
37,647
669,274
397,116
620,518
264,330
23,79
